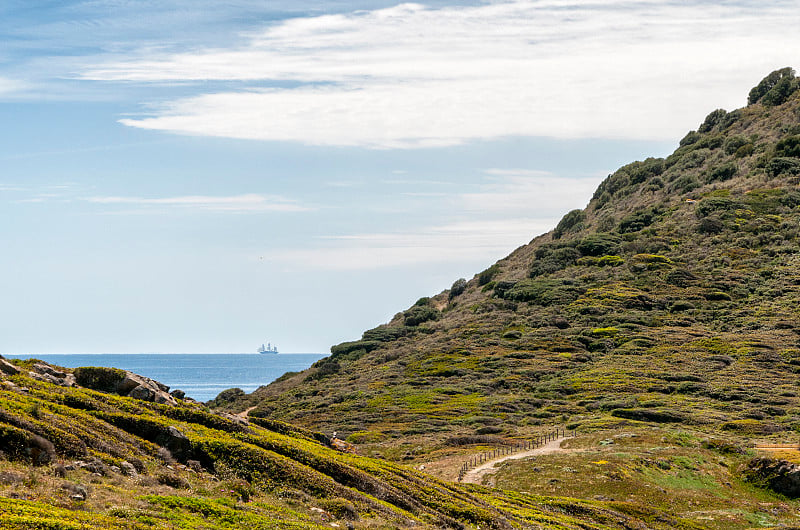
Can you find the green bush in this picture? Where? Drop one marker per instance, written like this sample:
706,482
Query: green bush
733,143
571,222
788,147
783,166
554,259
690,138
720,205
745,150
712,120
488,275
419,314
723,172
599,244
347,349
543,291
639,219
383,333
458,287
776,85
99,378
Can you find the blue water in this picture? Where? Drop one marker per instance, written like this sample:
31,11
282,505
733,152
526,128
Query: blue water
201,376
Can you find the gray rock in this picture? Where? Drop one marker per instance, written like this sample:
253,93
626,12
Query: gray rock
128,469
144,388
142,392
8,368
47,369
781,476
79,493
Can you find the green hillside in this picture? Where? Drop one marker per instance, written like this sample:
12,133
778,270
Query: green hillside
672,297
79,458
670,300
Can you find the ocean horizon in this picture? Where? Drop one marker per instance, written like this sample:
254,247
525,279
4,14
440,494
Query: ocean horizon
202,376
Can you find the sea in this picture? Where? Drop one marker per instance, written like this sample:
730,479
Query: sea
201,376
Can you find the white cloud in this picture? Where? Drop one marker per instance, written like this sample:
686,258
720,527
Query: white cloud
522,192
411,76
514,206
12,87
458,243
236,203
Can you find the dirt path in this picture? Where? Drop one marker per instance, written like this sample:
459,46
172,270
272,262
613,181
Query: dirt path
476,474
245,412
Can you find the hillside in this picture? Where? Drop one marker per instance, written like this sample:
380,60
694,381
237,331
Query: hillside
77,455
671,299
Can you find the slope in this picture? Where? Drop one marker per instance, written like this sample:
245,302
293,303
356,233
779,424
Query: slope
671,298
77,456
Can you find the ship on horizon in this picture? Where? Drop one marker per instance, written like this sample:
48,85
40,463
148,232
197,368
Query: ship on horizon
269,348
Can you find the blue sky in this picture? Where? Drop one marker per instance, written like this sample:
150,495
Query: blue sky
204,176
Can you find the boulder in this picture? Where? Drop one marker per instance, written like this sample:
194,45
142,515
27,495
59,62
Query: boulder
128,469
48,374
781,476
7,368
144,388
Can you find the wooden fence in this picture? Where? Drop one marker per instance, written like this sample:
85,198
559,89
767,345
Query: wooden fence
524,445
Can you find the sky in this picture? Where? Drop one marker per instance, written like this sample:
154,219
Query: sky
204,176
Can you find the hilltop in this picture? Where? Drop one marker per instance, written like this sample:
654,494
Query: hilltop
670,299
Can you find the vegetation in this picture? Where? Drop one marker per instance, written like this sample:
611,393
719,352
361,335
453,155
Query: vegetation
659,324
670,301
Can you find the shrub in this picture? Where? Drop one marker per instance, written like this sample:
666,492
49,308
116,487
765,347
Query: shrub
603,261
346,349
569,223
716,204
543,291
788,147
710,225
783,166
685,184
458,287
723,172
553,260
488,275
419,314
745,150
779,81
639,219
383,333
733,143
712,120
599,244
690,138
99,378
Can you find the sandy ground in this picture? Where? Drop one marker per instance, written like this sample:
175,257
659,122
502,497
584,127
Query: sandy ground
475,475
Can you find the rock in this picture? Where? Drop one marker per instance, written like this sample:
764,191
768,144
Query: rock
79,493
128,469
47,369
7,368
142,392
144,388
781,476
48,374
178,394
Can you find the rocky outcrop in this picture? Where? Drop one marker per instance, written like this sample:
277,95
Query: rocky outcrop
144,388
45,372
7,368
123,383
781,476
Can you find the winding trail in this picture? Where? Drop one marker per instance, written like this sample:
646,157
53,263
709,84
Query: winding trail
476,474
244,413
